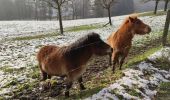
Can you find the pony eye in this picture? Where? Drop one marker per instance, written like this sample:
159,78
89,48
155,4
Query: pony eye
138,22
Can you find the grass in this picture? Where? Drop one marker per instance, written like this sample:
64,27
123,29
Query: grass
150,13
95,84
134,93
141,57
163,91
34,37
8,69
107,77
11,83
83,27
79,28
70,29
34,73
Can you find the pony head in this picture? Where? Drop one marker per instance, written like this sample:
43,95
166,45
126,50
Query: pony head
138,26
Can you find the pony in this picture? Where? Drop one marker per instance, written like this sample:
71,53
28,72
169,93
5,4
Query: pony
70,60
121,40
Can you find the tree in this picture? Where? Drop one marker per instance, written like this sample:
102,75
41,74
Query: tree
73,6
156,6
166,28
57,4
107,4
50,12
166,5
99,11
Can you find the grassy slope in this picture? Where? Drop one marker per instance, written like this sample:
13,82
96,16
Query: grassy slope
163,91
96,83
70,29
81,28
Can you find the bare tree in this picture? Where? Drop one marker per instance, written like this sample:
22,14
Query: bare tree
57,4
107,4
166,5
73,4
156,4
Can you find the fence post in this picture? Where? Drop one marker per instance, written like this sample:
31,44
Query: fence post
166,28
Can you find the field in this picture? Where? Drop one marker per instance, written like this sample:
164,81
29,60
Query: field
20,41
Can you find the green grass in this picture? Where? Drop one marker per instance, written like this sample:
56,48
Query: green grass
34,37
34,73
83,27
141,57
70,29
163,91
107,77
79,28
11,83
150,13
134,93
162,63
8,69
96,83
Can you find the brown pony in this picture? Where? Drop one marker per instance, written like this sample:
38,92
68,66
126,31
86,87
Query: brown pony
69,60
121,41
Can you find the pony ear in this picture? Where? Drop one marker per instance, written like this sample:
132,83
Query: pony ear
131,19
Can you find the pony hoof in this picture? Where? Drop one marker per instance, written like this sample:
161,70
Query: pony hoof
113,70
67,95
83,88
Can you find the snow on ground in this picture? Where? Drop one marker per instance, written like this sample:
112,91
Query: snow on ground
20,28
22,54
25,28
138,83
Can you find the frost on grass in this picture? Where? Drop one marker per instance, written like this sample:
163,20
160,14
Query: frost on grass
162,54
16,55
138,83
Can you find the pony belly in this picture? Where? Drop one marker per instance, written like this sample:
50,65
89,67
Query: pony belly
54,70
76,73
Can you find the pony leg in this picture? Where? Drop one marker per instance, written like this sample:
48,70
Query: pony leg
80,80
49,76
68,86
110,59
44,76
122,58
115,60
121,63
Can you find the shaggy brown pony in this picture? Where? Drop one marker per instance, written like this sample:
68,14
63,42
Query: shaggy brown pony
121,41
69,60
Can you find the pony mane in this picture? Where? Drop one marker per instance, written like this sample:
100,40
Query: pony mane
134,16
85,41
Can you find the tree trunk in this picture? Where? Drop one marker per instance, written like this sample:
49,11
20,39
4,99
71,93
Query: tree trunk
166,5
156,6
83,8
109,14
166,28
60,19
73,15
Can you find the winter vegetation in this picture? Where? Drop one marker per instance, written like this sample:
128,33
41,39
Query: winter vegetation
35,23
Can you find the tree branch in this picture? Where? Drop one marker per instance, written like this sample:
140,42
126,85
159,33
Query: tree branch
51,4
